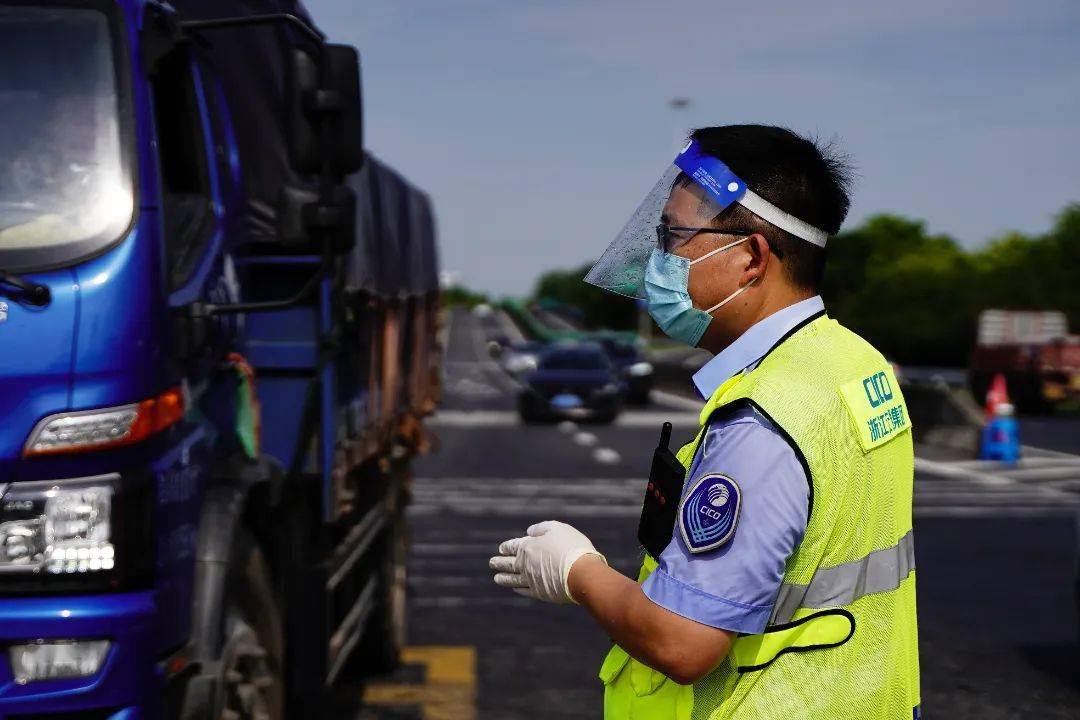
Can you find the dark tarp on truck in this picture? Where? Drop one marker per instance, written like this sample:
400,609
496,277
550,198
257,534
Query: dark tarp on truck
422,255
395,250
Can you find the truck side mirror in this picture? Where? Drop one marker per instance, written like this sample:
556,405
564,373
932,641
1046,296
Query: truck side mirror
341,76
324,91
303,216
301,81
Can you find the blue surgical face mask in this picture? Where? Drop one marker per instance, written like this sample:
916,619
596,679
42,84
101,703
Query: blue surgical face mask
666,281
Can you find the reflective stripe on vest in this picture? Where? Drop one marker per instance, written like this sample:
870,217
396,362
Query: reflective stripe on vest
840,585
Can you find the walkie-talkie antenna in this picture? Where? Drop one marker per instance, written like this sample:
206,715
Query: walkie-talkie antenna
665,435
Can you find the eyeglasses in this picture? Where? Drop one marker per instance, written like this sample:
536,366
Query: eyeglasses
671,237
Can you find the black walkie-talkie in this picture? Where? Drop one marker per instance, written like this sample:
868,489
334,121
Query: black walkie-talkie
662,495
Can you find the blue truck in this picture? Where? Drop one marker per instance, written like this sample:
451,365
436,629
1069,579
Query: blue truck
218,343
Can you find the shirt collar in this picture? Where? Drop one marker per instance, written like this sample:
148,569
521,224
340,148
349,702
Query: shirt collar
754,344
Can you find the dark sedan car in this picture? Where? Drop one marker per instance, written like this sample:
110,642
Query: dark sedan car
576,381
635,372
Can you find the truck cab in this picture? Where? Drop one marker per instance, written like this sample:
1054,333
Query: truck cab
211,381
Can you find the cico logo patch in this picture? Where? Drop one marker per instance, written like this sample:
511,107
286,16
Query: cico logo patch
709,512
875,405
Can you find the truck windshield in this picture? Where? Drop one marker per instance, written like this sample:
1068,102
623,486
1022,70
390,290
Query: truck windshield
64,188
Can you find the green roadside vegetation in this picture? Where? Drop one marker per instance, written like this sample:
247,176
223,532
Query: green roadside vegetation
463,296
913,294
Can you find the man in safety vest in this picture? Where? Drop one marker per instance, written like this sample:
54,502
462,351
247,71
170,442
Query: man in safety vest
778,579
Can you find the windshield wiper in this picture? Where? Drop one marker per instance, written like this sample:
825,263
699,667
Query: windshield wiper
31,292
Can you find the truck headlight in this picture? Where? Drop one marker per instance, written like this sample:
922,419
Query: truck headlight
640,369
56,659
58,526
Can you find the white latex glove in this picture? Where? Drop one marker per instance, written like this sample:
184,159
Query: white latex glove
538,565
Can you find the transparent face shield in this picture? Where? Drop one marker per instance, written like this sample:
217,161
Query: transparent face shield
690,194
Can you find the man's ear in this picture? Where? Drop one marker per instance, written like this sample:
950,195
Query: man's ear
758,257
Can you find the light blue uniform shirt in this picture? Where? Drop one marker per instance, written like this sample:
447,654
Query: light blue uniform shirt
735,586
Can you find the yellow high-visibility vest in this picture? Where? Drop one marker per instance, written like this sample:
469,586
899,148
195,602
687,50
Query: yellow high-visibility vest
842,642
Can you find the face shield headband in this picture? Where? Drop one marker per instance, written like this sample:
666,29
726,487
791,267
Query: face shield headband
663,215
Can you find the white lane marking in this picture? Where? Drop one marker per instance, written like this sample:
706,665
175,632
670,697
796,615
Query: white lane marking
606,456
656,418
661,397
474,418
1024,463
1045,452
951,470
467,387
994,476
584,439
1067,472
567,426
509,418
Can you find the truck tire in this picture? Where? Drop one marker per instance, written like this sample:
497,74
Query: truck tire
251,685
387,629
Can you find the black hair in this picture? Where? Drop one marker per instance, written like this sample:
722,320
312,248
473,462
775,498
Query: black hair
802,177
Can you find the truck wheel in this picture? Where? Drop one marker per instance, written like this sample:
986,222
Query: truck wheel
387,630
250,685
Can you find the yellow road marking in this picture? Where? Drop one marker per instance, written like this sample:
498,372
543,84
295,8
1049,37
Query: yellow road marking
448,691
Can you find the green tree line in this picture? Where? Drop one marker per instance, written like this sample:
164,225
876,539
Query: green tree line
460,295
913,294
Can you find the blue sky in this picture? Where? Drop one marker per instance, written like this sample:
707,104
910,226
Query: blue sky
537,127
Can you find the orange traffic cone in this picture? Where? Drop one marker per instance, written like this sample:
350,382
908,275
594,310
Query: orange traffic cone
997,394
